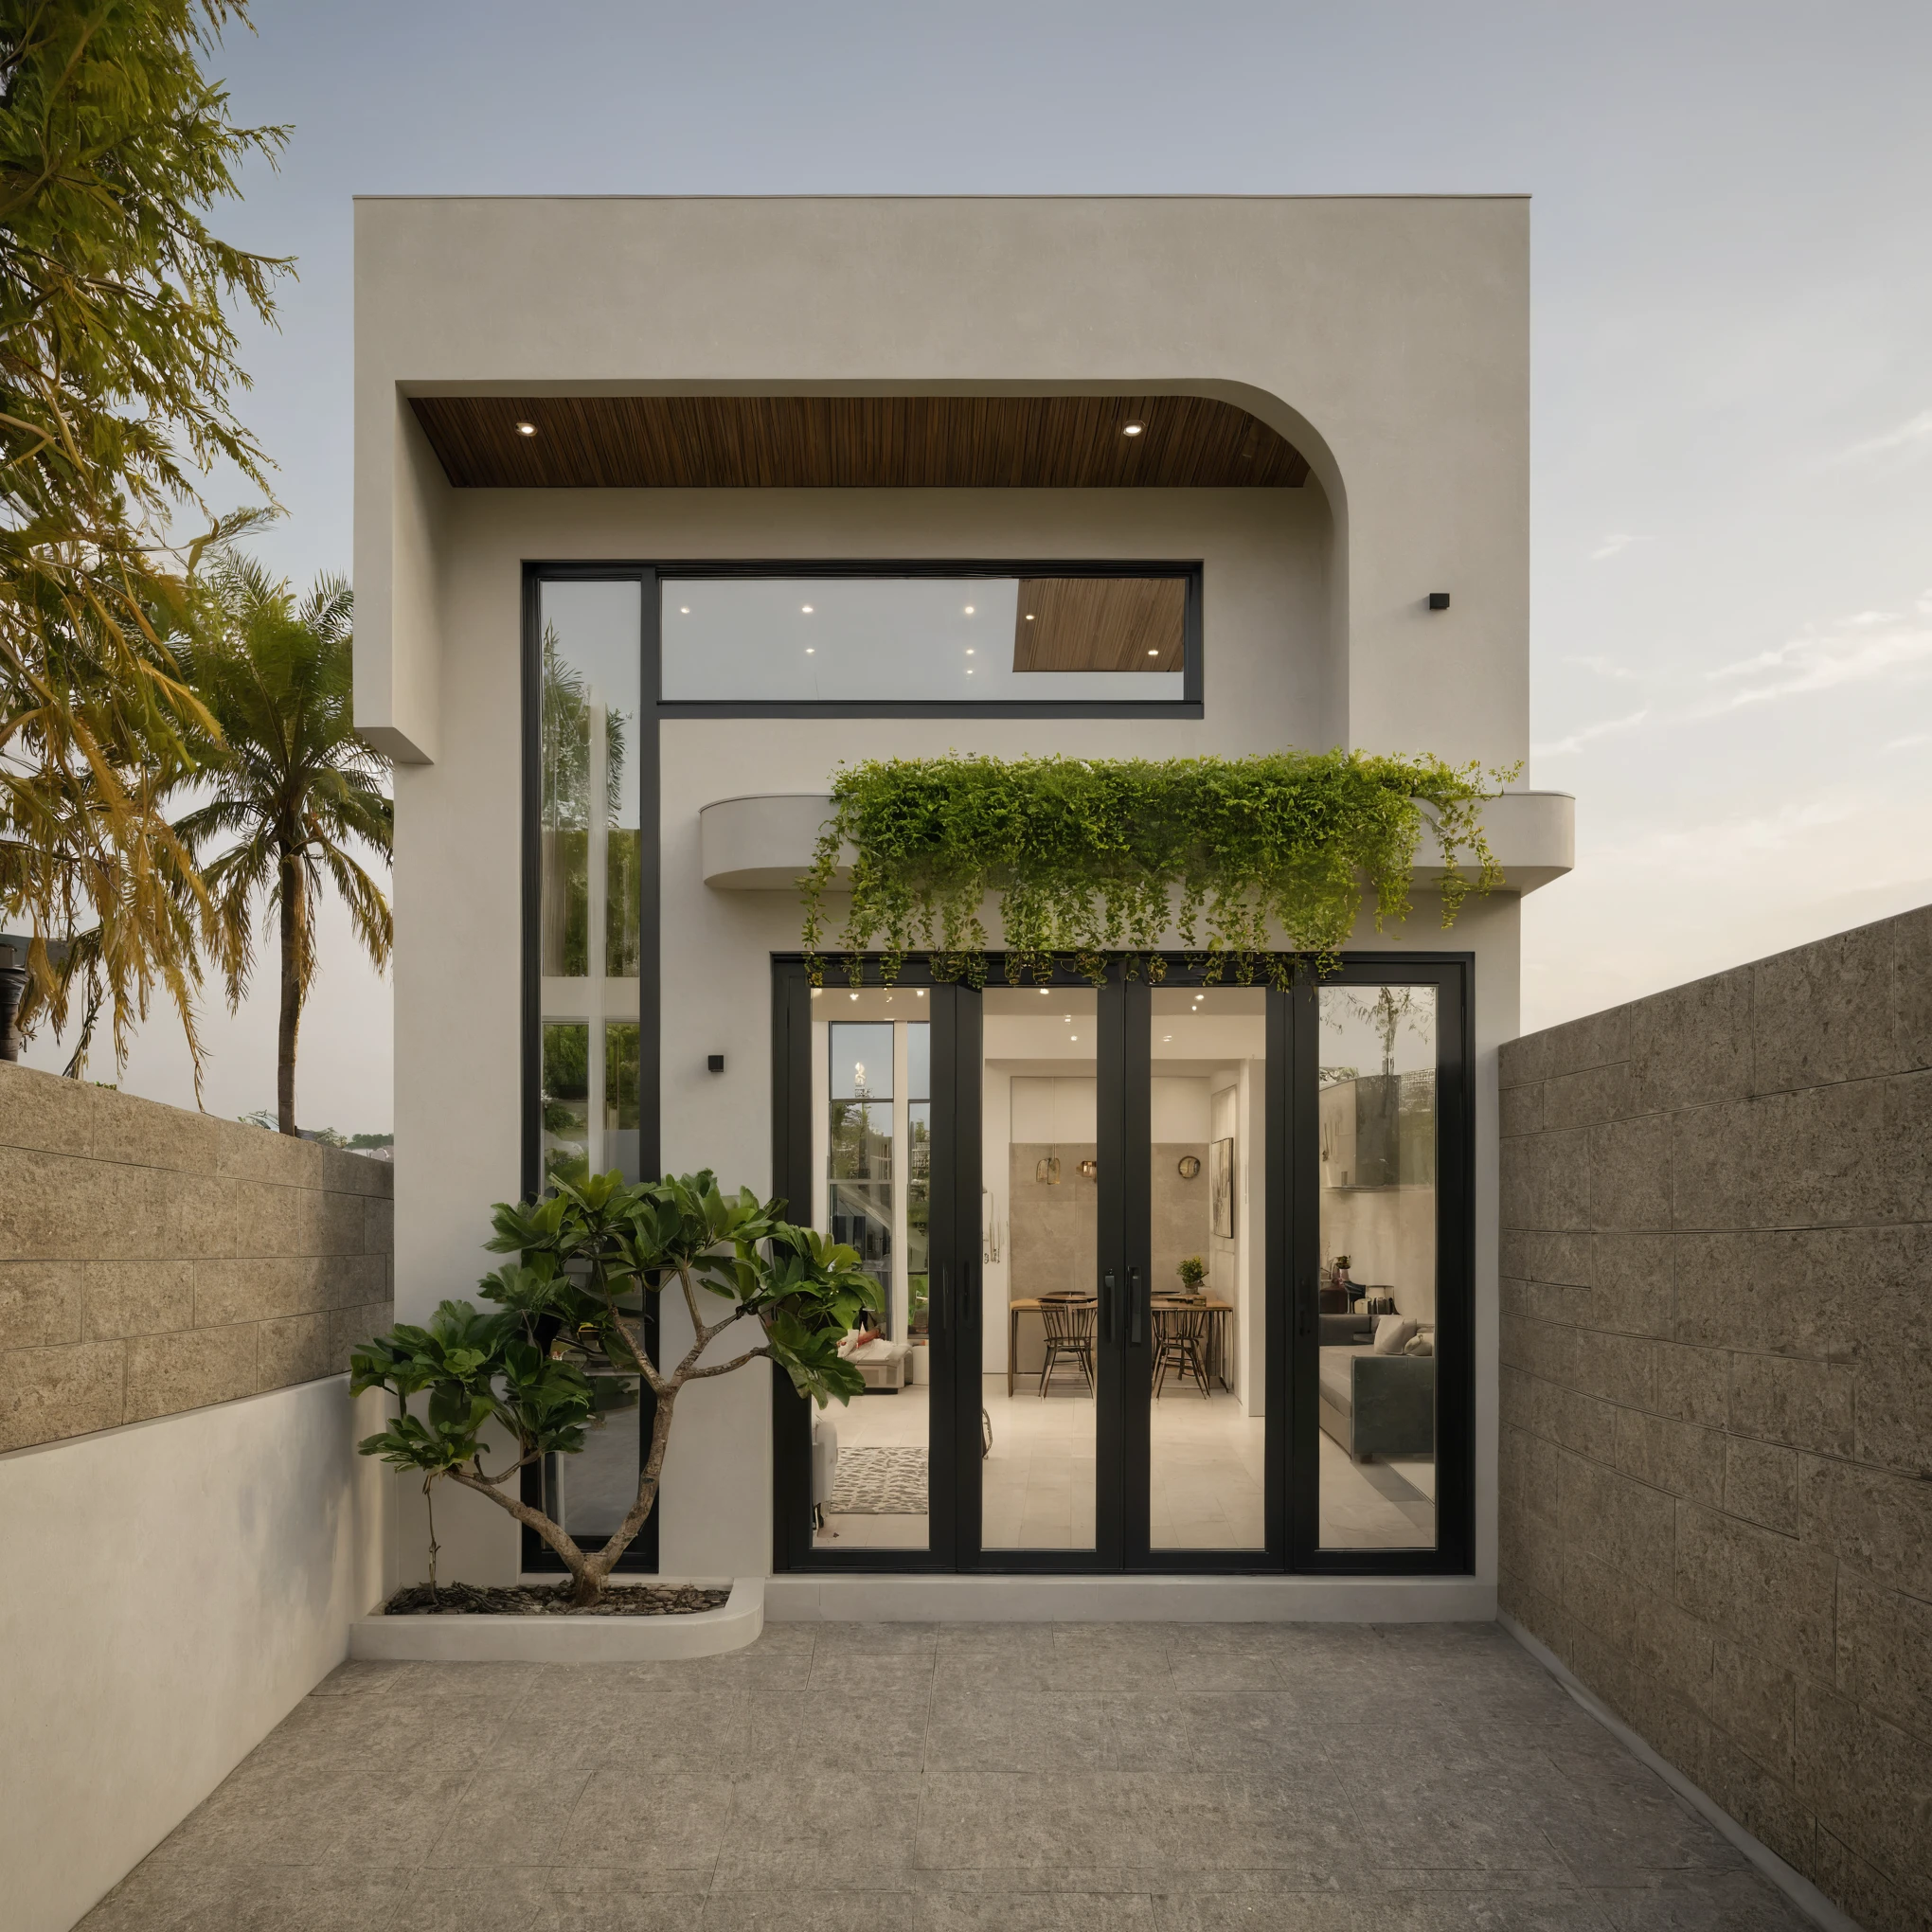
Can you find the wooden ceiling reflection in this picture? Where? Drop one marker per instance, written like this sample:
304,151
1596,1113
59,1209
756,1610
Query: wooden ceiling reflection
1100,623
854,442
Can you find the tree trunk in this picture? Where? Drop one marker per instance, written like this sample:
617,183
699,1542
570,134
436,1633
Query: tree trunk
590,1585
294,922
559,1538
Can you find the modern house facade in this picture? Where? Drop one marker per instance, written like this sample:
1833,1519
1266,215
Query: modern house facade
665,509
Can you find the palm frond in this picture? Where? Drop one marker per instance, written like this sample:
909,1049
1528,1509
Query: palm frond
291,785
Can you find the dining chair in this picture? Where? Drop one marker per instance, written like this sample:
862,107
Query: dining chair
1069,1326
1181,1344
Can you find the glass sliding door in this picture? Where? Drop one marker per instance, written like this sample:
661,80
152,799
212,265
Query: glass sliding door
1206,1159
1378,1238
1382,1367
871,1167
1175,1276
1042,1347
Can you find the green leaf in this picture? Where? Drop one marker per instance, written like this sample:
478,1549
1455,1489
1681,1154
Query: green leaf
1256,863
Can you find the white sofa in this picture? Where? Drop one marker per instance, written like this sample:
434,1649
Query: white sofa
884,1364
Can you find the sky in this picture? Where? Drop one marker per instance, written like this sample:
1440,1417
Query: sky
1731,637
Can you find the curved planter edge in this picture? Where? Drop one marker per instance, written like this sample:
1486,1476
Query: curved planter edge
466,1639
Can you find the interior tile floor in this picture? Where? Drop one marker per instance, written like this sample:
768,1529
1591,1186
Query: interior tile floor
1204,1474
1001,1777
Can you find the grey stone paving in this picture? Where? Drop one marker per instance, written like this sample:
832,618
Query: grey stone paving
907,1777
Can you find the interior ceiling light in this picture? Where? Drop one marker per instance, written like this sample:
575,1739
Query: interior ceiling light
921,993
527,429
806,608
969,651
855,995
684,610
1132,428
1030,616
969,610
811,650
1167,1036
1154,653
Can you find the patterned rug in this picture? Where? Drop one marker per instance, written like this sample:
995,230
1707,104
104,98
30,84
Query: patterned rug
879,1482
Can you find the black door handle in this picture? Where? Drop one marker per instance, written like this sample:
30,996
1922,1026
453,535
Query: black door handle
1110,1323
1137,1308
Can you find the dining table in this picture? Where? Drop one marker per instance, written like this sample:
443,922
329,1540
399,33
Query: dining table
1217,1311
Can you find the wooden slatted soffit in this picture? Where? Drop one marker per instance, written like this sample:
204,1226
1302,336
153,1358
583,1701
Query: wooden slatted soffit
1099,623
853,442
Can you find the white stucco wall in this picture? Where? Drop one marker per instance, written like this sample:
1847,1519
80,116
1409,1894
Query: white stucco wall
1387,338
170,1590
456,888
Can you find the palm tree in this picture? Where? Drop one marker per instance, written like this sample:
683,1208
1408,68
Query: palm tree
292,785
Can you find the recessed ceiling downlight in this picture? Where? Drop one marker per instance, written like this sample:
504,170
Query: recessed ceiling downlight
527,429
1132,428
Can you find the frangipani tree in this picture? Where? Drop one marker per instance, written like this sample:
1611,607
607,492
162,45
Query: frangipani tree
575,1304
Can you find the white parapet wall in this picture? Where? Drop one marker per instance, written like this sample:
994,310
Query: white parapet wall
171,1590
764,842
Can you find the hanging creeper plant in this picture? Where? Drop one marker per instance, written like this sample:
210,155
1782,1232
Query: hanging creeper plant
1253,862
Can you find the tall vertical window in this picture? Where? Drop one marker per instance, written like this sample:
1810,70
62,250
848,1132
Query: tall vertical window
591,849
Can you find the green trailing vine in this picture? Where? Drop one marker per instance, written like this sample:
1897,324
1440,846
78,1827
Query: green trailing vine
1253,862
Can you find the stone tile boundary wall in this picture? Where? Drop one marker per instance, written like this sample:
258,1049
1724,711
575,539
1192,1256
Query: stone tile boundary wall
154,1260
1717,1390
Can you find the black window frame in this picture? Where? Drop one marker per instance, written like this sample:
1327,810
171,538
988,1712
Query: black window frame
1292,1258
1188,705
537,1557
1454,976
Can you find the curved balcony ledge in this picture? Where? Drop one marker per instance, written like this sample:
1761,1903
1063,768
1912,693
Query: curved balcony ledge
762,844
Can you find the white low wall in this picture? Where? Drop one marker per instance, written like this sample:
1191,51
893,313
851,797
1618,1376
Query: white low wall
170,1590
